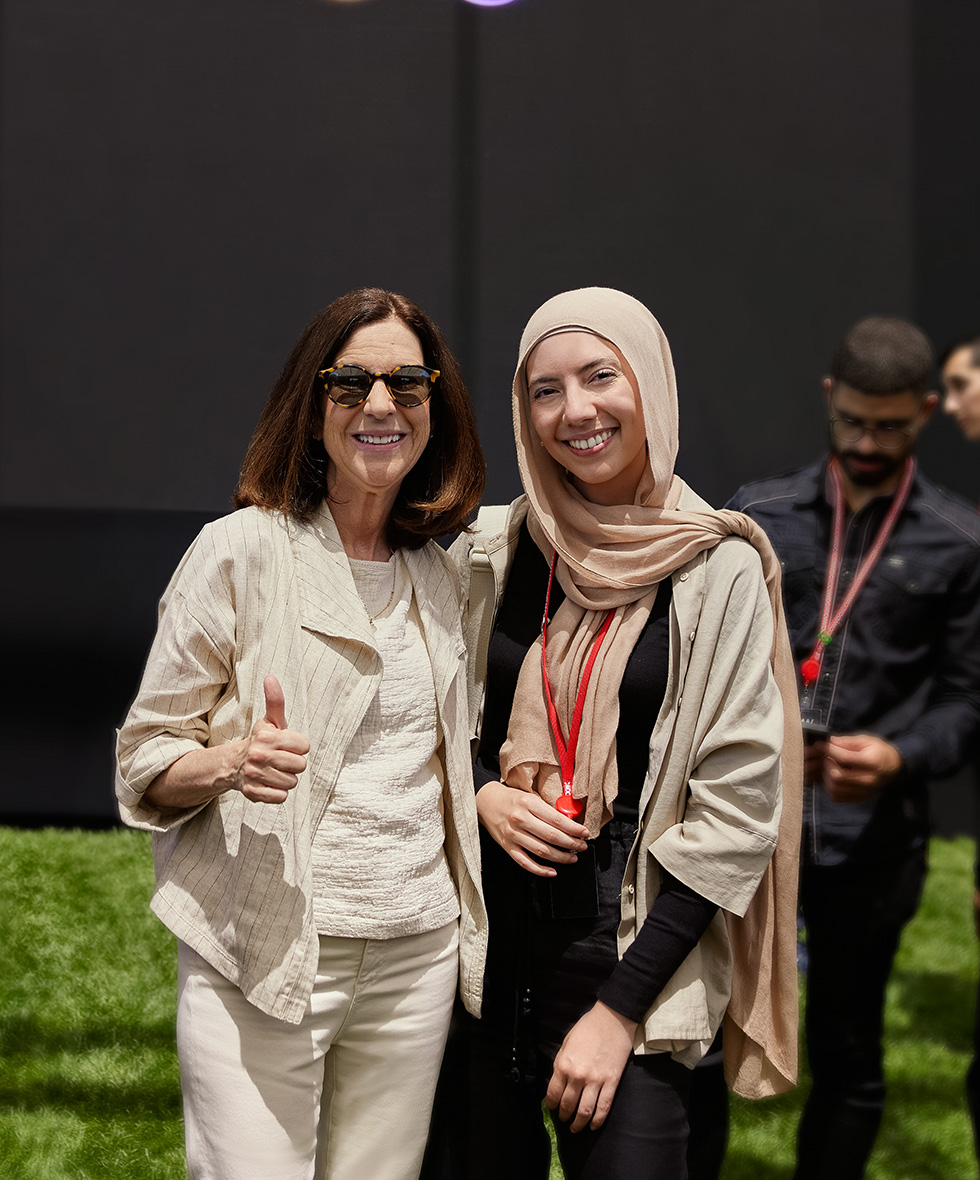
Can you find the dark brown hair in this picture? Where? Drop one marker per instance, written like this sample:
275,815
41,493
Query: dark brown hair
972,342
884,354
285,467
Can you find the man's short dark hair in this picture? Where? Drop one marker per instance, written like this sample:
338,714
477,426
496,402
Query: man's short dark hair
972,342
884,354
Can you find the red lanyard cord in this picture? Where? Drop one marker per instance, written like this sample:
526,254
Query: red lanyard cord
566,753
830,619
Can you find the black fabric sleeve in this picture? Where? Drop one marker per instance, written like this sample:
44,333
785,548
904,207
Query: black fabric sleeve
482,776
677,919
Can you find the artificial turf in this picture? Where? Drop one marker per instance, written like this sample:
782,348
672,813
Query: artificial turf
89,1087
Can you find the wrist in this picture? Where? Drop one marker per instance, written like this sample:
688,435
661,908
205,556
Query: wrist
624,1022
228,776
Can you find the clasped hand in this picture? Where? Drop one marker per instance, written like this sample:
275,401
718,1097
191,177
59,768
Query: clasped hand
522,823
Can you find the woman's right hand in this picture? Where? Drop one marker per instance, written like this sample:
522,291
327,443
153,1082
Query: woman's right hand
265,766
522,822
274,756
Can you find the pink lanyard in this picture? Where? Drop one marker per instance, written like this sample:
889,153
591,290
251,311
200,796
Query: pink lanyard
573,808
829,622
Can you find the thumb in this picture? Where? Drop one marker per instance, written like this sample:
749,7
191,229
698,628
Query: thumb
275,702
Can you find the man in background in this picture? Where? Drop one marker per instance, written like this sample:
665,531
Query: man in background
881,580
959,365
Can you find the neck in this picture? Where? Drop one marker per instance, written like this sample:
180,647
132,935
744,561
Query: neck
362,522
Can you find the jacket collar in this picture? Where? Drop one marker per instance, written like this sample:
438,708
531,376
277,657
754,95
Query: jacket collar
331,605
329,600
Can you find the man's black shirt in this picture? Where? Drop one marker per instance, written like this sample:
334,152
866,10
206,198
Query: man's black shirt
904,663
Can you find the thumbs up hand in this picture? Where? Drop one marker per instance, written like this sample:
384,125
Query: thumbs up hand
274,755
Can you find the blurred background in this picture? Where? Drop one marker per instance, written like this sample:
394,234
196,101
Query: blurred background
185,185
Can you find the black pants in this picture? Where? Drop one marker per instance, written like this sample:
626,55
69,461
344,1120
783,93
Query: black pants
542,976
854,917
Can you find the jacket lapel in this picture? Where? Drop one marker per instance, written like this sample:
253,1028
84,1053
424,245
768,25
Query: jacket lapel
329,602
438,601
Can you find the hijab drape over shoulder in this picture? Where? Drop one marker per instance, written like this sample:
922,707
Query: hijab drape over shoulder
613,558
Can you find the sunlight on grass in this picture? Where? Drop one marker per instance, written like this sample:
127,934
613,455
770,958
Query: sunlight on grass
89,1086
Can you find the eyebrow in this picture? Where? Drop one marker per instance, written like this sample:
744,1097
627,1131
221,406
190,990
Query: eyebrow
602,360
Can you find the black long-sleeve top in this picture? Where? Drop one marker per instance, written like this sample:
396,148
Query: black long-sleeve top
679,916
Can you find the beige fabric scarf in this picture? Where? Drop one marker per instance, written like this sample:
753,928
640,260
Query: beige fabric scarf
614,558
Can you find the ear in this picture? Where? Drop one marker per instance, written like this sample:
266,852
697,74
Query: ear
928,405
828,388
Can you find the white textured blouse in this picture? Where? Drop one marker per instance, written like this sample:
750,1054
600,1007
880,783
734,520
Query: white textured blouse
379,869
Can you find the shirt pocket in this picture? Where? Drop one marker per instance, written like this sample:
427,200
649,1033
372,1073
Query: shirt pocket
907,600
803,576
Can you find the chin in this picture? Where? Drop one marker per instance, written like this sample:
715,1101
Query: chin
868,479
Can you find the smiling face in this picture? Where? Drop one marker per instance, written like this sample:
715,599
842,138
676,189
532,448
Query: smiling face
373,446
961,379
584,406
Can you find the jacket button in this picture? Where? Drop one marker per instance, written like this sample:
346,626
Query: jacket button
684,577
630,890
691,636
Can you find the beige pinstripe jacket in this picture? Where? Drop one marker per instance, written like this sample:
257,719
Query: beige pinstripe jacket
256,594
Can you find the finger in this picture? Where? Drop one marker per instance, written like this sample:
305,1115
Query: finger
536,847
275,702
551,836
604,1105
258,794
570,1100
587,1107
519,856
549,815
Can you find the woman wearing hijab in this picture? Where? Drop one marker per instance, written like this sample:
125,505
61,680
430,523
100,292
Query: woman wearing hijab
298,748
629,765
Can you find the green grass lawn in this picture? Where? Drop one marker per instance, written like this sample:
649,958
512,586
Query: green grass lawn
88,1075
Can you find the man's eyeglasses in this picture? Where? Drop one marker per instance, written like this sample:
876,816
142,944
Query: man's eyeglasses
349,385
889,438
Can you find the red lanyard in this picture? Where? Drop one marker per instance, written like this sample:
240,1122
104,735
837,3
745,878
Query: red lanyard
566,753
830,619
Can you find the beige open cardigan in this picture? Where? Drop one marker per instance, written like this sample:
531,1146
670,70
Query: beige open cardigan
710,806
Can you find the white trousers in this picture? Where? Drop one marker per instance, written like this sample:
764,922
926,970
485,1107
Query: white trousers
346,1094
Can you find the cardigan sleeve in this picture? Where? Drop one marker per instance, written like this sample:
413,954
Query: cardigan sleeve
189,669
726,836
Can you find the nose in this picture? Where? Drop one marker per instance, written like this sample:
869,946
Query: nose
866,444
579,403
951,402
379,401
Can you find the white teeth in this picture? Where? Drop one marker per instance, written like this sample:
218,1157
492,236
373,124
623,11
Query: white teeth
377,440
586,444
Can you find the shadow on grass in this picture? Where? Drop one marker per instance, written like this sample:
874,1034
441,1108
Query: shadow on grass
939,1008
42,1068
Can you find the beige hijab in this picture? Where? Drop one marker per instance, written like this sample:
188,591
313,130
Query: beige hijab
613,558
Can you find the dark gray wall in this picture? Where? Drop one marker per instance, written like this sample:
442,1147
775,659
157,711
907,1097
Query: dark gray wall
186,184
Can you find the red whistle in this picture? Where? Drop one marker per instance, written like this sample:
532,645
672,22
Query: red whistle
573,808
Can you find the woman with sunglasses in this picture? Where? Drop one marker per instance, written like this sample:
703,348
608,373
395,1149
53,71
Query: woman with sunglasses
628,777
298,748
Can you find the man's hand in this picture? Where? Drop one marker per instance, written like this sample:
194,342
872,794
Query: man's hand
522,822
857,765
588,1067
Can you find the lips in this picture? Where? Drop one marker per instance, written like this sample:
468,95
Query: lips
378,440
591,443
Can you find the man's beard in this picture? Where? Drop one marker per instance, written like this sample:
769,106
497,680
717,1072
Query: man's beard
880,469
